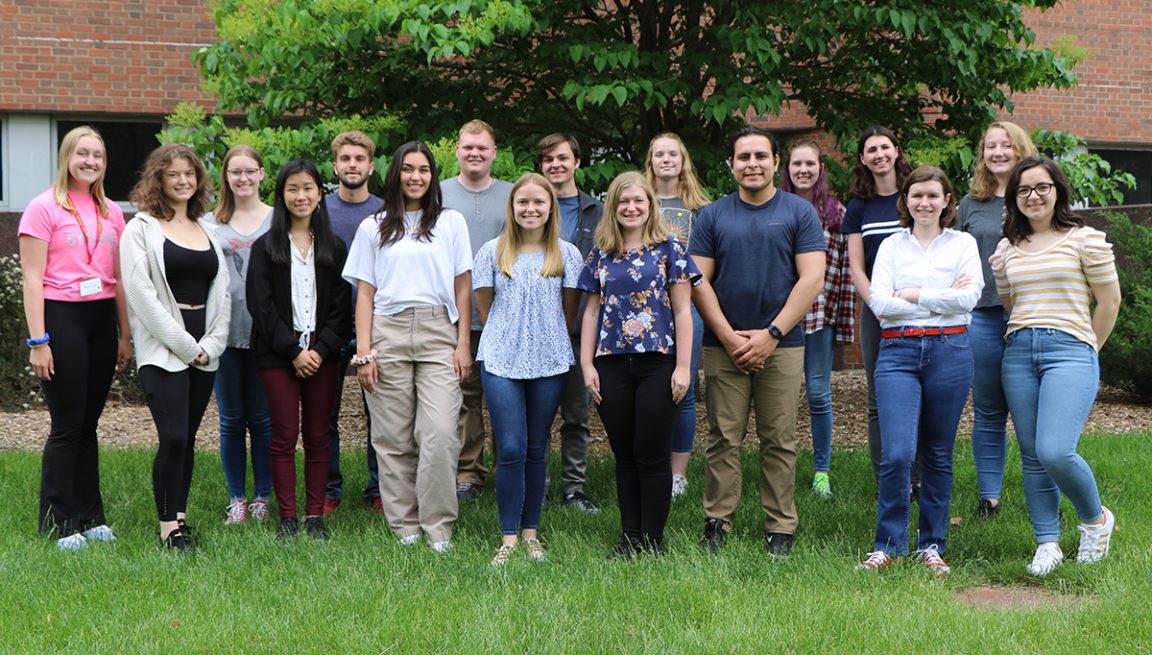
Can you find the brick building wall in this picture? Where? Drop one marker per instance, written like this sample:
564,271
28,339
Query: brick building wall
115,57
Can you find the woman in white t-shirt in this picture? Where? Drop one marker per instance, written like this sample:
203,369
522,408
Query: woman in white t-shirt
411,264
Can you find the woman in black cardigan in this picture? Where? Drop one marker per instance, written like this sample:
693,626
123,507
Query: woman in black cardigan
301,316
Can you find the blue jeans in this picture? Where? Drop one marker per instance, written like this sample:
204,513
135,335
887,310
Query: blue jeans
522,413
818,350
685,433
243,410
990,409
921,387
1050,380
335,486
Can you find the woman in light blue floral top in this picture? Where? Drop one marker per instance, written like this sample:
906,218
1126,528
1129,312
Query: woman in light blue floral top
525,282
638,280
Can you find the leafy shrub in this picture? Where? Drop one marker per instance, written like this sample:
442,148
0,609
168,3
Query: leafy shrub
1126,360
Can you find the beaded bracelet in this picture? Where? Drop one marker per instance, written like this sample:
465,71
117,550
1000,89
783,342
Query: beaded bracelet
359,361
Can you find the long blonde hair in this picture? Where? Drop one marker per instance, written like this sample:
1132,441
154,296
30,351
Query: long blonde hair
67,147
609,238
688,187
983,181
508,246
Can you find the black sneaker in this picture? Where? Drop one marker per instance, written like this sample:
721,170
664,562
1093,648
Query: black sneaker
186,530
625,550
986,510
779,544
714,535
914,493
581,503
289,528
316,528
178,542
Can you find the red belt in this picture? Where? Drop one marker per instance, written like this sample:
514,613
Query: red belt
916,332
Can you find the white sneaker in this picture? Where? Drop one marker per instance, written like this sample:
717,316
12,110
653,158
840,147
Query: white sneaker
72,542
99,533
679,485
1048,557
410,540
441,546
1095,539
258,510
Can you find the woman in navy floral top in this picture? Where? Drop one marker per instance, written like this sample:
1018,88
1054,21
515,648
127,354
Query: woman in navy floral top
639,307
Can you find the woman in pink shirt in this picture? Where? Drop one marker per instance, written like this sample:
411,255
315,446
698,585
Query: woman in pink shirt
78,329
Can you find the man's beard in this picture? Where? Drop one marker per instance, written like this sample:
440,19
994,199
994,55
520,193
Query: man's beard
352,186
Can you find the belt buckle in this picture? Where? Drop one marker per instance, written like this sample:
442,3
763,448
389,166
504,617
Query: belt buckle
914,332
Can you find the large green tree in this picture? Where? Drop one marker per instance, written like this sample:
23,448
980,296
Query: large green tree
616,72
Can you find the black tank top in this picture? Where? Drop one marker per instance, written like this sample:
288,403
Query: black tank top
189,272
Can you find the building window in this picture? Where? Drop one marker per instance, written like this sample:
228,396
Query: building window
1136,162
128,145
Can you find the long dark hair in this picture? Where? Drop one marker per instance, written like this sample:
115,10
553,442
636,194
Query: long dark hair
1017,227
863,184
392,224
324,243
829,209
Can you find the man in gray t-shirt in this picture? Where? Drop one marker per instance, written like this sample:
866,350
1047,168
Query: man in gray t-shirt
483,200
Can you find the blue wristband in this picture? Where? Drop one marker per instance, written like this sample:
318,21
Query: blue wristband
38,342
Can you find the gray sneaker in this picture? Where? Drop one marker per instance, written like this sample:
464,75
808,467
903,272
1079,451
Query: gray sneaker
466,491
581,503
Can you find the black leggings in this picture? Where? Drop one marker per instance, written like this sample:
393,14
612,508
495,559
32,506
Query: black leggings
640,418
84,336
177,401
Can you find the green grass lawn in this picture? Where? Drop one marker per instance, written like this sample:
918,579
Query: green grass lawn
363,593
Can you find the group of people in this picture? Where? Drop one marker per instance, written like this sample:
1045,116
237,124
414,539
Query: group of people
533,297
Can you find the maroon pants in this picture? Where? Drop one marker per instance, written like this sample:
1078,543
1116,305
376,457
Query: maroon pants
300,406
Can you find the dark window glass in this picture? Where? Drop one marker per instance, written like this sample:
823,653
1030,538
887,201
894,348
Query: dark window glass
128,145
1139,164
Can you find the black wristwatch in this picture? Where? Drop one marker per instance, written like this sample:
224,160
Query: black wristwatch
775,332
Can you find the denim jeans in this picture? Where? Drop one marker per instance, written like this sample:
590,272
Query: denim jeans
921,387
243,409
335,486
685,434
990,409
818,351
521,413
1050,381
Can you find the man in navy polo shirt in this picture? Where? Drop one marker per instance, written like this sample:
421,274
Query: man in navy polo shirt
761,251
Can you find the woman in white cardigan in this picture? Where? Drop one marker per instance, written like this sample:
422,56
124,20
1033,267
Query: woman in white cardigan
176,285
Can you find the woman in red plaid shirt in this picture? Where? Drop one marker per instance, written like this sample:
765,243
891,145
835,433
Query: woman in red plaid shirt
831,319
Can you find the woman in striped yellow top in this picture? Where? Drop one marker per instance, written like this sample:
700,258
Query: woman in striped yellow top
1048,269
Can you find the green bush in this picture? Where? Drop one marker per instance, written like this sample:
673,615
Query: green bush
1126,360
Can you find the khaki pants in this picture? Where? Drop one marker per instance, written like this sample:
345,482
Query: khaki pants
470,425
775,391
414,413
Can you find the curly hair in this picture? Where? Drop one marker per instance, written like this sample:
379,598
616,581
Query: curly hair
148,194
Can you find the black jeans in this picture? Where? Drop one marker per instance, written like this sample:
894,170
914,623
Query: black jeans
640,418
84,336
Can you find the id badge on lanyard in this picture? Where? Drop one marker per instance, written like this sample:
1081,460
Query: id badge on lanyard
90,285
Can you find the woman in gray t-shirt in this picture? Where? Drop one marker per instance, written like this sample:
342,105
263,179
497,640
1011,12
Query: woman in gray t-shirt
981,214
241,218
525,283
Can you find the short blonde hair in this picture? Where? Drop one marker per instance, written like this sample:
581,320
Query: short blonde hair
353,138
609,238
477,126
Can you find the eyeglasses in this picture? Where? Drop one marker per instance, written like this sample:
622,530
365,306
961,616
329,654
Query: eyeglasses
1041,190
243,172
